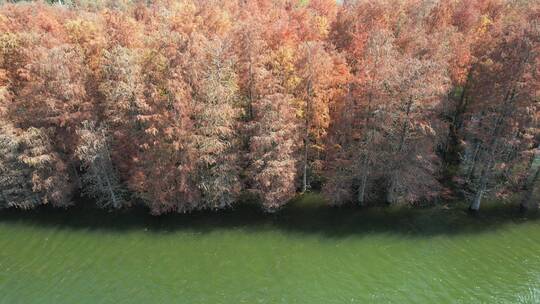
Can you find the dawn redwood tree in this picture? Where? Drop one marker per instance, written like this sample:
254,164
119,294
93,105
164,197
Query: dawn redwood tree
121,88
531,179
390,112
88,34
410,151
271,131
54,95
100,179
273,150
215,115
14,59
466,27
322,77
167,163
376,64
363,32
252,54
356,137
32,173
50,174
15,175
505,88
52,101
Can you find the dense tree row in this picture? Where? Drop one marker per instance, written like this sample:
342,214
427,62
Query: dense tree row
194,104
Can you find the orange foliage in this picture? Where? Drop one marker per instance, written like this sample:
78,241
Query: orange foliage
191,103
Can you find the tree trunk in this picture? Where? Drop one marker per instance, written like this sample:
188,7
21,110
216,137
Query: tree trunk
472,167
486,172
492,148
250,88
363,182
95,172
109,165
529,188
366,158
109,186
306,137
484,178
390,198
475,205
304,174
76,176
451,156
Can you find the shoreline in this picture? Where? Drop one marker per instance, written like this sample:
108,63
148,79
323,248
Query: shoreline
307,215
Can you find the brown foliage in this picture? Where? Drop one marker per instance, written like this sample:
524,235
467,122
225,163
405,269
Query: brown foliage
187,104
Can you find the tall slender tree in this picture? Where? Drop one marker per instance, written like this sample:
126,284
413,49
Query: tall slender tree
100,178
504,98
214,120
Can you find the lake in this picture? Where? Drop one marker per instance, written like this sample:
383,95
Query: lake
307,253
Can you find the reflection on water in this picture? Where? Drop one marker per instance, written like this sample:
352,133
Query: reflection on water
307,253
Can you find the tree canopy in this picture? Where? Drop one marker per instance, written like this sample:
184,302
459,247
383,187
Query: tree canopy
194,104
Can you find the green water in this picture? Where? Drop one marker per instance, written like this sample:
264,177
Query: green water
306,254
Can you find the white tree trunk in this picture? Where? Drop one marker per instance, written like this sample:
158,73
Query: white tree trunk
475,205
304,174
362,188
306,135
529,189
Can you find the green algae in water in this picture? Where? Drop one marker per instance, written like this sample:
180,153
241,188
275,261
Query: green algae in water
307,253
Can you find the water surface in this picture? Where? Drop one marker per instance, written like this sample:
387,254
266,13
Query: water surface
305,254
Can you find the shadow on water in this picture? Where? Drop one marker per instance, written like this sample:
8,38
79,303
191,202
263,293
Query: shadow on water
304,216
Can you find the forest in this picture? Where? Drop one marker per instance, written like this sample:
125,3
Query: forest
183,105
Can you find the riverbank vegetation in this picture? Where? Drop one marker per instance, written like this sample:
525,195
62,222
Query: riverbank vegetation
189,104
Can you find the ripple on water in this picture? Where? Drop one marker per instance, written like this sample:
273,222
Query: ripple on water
271,263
